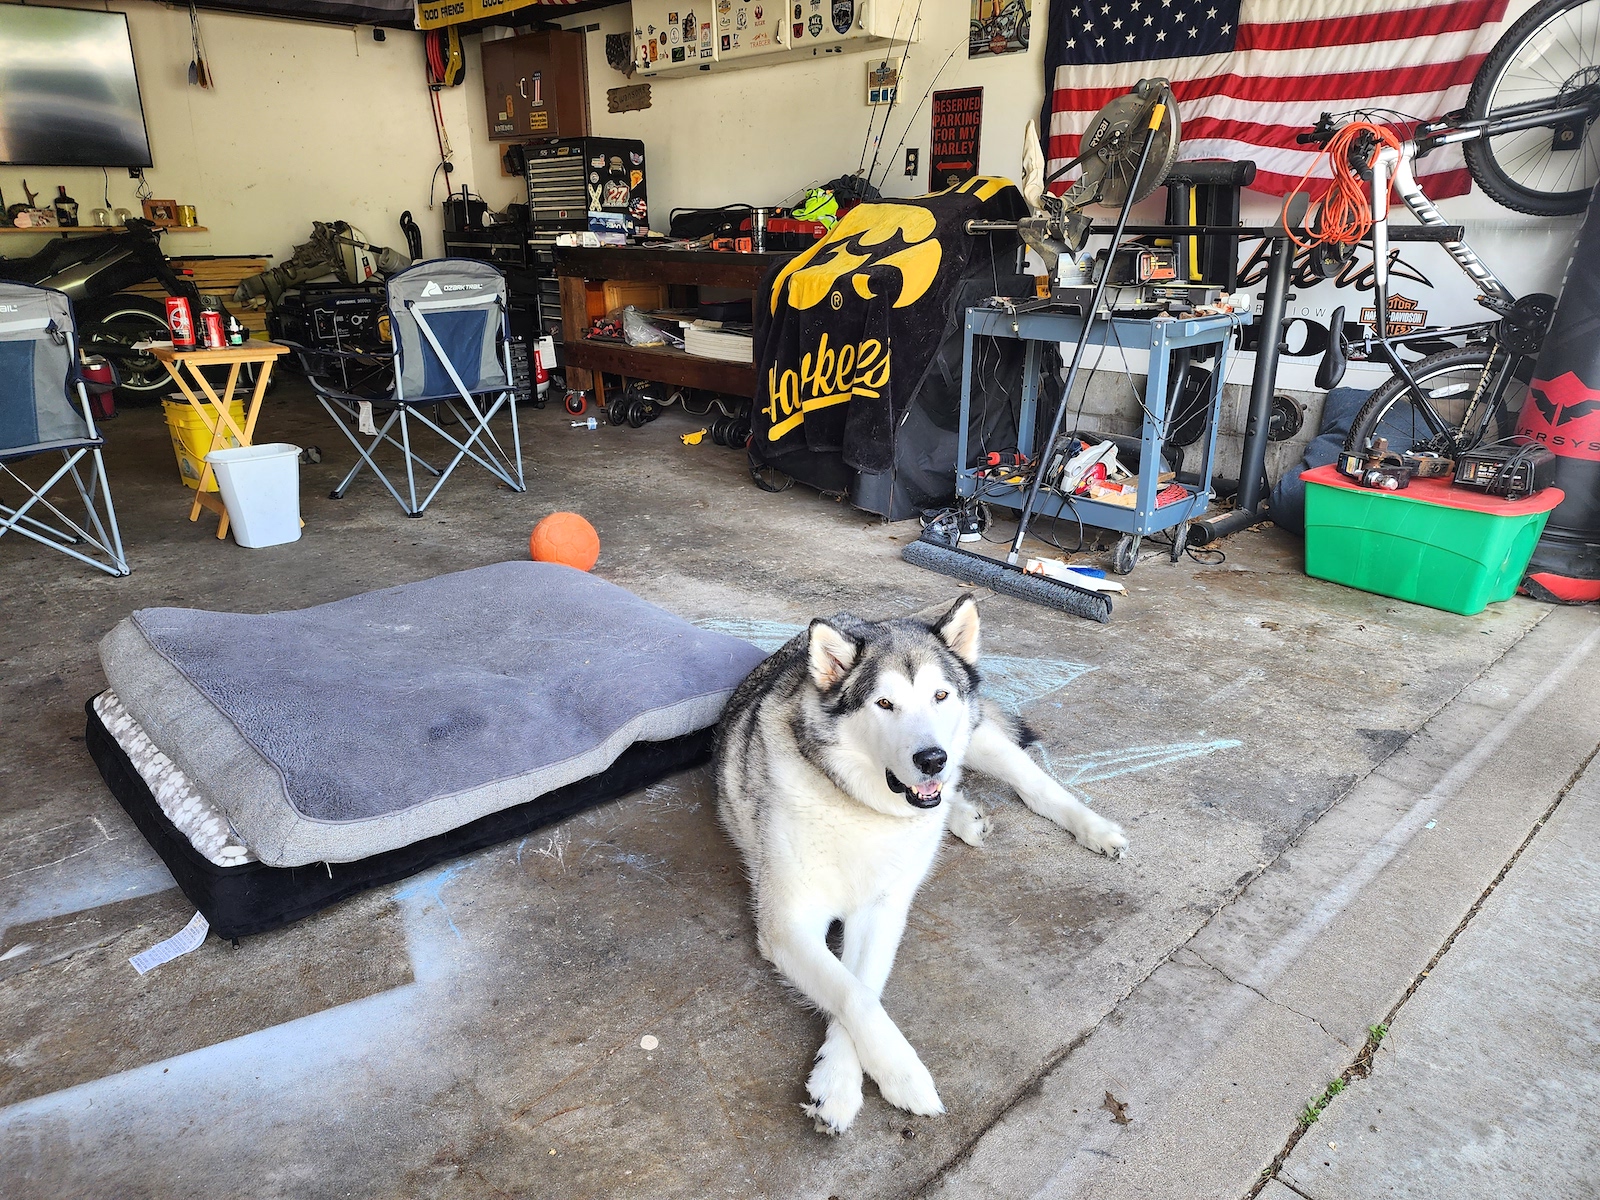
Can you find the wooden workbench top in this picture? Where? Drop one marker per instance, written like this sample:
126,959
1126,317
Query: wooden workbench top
649,264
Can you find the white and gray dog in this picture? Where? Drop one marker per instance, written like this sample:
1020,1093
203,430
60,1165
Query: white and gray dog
838,763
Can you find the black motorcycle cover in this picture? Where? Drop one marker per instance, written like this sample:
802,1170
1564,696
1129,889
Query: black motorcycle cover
848,331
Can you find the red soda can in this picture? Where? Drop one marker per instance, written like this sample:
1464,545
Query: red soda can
214,337
180,322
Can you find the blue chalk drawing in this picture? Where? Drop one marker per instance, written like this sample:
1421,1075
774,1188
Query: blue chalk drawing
1108,764
764,635
1015,682
430,889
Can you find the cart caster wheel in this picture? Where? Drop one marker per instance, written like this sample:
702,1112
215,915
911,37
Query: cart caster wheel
1180,541
577,403
617,412
1125,555
636,413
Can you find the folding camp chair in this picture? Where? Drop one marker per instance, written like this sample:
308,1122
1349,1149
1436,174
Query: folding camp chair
44,409
451,350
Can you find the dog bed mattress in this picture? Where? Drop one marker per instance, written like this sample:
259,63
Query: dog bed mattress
348,730
251,897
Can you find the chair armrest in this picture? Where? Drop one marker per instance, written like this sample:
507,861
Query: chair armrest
308,356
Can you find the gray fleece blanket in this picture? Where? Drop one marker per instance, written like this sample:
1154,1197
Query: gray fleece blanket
342,730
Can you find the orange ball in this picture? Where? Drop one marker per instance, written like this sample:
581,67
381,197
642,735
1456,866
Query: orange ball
565,537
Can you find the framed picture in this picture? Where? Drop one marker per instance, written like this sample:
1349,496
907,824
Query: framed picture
161,212
999,27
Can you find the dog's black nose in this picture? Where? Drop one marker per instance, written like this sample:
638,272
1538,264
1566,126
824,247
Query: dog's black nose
930,761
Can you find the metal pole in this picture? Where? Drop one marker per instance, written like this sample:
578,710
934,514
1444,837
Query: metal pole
1253,463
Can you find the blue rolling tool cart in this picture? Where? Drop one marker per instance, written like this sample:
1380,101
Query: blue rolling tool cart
1161,336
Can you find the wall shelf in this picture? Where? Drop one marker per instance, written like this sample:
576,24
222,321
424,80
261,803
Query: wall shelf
69,230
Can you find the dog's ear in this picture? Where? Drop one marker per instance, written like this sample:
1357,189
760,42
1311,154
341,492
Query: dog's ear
958,629
832,653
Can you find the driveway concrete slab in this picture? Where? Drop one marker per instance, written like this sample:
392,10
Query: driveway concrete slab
1323,943
1488,1082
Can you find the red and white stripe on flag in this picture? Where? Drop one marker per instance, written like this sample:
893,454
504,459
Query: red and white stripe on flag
1292,61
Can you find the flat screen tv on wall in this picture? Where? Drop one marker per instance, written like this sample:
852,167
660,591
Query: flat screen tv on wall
69,96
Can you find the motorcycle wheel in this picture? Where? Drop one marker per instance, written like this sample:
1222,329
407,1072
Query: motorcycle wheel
123,320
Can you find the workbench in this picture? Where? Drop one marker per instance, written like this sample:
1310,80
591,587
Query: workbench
1162,338
578,267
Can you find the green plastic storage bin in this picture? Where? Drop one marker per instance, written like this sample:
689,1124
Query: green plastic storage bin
1433,544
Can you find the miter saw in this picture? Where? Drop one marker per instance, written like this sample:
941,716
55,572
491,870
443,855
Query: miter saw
1109,157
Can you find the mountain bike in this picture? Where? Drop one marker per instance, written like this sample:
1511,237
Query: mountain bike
1528,136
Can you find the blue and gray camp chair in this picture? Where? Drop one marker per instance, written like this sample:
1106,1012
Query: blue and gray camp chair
44,409
451,349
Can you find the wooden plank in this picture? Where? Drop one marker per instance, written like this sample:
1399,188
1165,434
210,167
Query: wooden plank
574,324
257,352
216,275
661,365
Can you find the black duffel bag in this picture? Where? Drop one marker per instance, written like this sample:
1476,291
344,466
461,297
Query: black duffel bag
696,223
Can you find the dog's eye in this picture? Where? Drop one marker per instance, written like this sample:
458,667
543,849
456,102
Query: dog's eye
886,705
941,695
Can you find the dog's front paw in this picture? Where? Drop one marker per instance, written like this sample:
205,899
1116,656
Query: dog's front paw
969,822
905,1083
1102,836
835,1089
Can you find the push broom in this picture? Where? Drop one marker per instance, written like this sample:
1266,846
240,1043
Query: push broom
1007,578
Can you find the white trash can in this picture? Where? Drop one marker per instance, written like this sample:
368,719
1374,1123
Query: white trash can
261,487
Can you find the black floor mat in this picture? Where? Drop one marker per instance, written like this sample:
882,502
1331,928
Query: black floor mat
253,898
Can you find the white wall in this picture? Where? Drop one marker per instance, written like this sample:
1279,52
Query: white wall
762,134
316,122
306,122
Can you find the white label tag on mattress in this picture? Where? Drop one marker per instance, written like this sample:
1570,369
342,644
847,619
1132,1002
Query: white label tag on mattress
185,940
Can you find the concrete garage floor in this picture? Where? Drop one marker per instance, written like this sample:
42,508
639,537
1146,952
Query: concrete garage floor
1320,786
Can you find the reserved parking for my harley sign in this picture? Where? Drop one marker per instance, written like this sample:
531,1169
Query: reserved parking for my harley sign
953,153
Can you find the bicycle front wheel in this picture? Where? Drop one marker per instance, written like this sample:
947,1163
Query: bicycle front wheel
1551,54
1450,380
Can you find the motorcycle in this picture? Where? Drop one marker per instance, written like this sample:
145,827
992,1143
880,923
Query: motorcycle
92,271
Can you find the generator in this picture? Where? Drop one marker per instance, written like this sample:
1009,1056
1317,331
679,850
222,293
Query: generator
333,316
353,318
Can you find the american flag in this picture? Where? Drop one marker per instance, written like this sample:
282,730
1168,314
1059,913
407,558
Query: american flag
1249,75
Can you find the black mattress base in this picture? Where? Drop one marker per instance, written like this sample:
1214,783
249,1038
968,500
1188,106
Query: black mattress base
254,898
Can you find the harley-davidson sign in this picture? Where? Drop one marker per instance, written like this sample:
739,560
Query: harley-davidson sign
1405,314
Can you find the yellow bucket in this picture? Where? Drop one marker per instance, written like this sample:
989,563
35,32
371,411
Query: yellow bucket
191,437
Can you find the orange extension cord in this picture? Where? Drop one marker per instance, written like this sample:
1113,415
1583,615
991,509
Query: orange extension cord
1345,213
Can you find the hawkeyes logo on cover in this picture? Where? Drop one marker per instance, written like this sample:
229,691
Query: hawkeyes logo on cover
870,236
867,238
